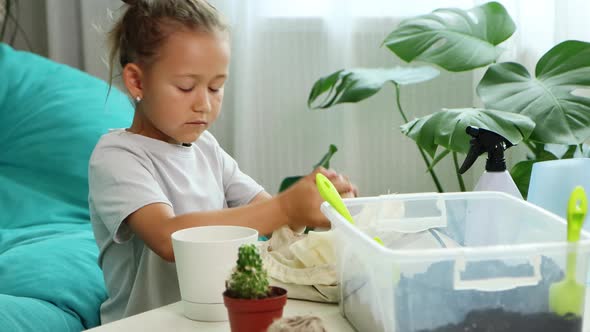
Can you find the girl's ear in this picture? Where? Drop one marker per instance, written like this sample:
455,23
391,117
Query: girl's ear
132,77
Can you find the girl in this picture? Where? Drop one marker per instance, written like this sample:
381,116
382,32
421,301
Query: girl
167,172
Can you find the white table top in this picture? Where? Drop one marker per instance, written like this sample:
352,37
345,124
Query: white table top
170,318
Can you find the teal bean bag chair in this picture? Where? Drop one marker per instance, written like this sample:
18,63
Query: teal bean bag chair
51,117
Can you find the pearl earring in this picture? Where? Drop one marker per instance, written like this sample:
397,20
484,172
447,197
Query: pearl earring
138,99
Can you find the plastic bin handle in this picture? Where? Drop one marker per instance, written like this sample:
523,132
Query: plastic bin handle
405,224
496,284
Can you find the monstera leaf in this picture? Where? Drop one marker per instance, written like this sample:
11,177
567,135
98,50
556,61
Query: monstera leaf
561,116
324,162
455,39
351,86
447,128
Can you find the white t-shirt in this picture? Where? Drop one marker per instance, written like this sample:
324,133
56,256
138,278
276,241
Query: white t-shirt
129,171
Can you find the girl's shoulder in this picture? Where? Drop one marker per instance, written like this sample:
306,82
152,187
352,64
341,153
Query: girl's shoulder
208,144
116,139
206,139
120,141
118,144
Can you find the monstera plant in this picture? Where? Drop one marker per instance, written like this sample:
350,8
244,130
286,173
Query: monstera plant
543,111
324,162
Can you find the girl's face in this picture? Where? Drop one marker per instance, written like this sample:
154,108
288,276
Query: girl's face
182,89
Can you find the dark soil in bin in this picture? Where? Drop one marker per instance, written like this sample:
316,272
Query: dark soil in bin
498,320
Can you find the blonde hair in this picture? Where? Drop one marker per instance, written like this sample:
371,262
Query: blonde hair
145,25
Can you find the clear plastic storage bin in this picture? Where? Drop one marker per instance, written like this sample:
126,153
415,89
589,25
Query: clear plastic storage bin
452,262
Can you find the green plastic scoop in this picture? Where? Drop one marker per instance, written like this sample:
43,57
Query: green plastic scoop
330,194
567,296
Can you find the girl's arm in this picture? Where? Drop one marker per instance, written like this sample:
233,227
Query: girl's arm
155,223
297,207
263,196
335,177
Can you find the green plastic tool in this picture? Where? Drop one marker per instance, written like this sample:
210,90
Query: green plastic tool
567,296
330,194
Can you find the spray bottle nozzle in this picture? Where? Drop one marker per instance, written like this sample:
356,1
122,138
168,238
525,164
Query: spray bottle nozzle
472,131
484,140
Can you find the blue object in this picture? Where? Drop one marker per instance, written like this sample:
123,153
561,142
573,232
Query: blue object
54,265
51,117
27,314
552,183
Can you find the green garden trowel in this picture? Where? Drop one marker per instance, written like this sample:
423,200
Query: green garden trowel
567,296
330,194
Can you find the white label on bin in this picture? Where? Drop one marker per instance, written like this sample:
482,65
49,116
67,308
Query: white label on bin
496,284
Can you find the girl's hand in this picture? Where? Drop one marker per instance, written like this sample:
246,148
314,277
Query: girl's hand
348,190
301,202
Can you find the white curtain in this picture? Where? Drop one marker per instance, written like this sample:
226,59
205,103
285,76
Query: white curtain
281,47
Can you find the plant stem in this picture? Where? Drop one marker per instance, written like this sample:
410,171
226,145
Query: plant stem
399,103
18,28
459,176
531,146
431,171
16,15
7,6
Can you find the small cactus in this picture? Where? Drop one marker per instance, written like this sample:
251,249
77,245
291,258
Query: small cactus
249,278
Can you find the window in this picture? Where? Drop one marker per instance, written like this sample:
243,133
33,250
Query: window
363,8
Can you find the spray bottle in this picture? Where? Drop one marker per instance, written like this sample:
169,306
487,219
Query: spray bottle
495,177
